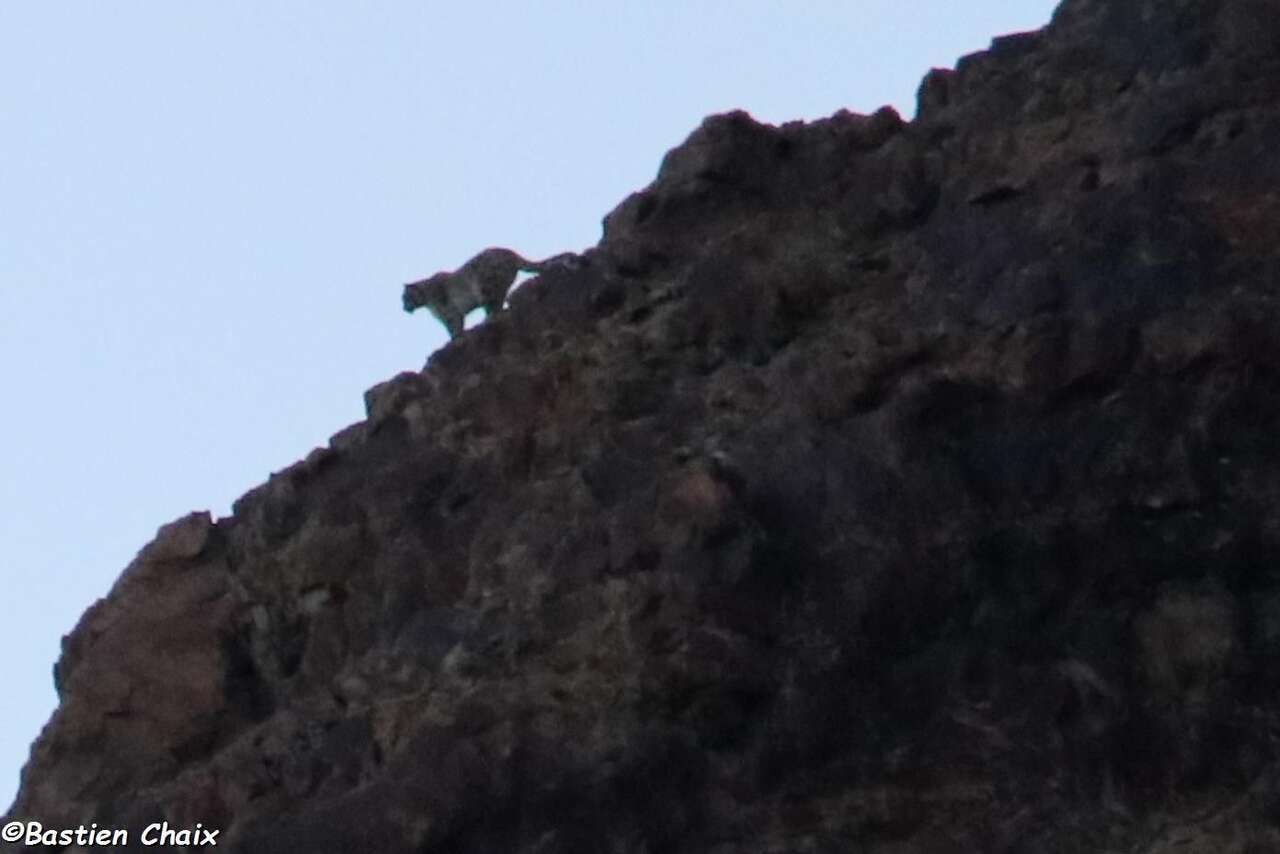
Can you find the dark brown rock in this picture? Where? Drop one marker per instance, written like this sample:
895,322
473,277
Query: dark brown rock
877,486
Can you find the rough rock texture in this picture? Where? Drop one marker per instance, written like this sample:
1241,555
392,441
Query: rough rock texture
873,486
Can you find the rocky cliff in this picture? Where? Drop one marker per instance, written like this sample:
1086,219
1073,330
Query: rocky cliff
873,486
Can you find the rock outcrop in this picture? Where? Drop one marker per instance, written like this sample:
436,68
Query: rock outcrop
873,486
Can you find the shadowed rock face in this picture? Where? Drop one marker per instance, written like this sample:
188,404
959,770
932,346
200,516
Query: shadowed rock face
877,486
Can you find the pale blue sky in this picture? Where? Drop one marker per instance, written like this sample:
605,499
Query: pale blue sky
207,211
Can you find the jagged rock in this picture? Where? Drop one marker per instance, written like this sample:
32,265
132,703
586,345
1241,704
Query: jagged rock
877,486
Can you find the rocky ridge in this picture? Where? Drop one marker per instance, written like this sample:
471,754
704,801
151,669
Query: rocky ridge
873,485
